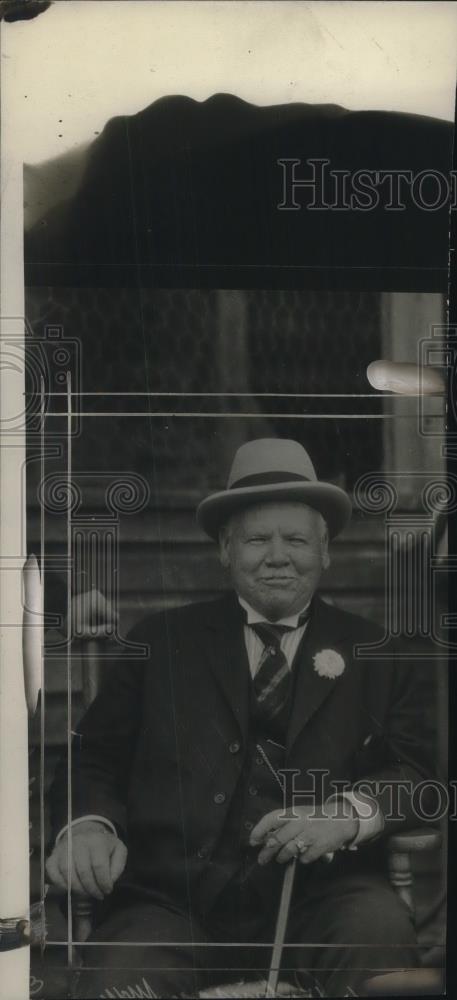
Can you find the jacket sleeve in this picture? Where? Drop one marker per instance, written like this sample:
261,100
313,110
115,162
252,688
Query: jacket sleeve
102,748
400,769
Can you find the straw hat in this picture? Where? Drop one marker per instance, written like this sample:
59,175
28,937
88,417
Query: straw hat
274,469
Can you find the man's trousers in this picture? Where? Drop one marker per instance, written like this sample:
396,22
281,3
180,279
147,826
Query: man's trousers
345,930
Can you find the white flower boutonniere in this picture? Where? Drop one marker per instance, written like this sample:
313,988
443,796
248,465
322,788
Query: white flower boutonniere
328,663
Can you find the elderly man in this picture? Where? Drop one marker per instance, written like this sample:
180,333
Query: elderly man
249,733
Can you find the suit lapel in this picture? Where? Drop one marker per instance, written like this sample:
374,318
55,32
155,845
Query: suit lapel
312,689
228,657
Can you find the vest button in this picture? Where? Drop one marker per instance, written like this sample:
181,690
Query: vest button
234,747
219,798
202,853
259,761
253,790
272,650
248,825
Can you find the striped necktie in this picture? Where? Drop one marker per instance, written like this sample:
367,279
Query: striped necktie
273,678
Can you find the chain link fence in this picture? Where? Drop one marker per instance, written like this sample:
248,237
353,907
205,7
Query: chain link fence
187,342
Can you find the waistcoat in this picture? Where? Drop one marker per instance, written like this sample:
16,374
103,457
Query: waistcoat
234,877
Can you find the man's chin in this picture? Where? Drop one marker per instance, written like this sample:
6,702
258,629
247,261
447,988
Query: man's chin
276,606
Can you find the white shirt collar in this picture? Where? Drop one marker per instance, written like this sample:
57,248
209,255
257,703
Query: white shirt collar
254,617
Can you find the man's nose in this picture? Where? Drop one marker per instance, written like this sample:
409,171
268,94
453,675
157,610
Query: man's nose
277,554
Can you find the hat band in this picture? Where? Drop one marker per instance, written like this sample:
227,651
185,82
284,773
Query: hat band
268,479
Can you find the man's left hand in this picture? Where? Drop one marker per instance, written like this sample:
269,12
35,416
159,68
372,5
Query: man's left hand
306,833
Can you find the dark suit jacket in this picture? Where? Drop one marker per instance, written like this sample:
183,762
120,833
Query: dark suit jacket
158,745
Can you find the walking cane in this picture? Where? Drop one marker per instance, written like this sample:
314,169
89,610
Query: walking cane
281,928
260,988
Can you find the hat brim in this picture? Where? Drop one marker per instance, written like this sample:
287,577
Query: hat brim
329,500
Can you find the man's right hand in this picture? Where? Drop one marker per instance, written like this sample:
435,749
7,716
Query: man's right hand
98,859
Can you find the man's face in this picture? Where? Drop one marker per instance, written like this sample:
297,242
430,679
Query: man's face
275,553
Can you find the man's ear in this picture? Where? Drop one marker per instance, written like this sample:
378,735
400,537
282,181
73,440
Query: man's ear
224,543
325,552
